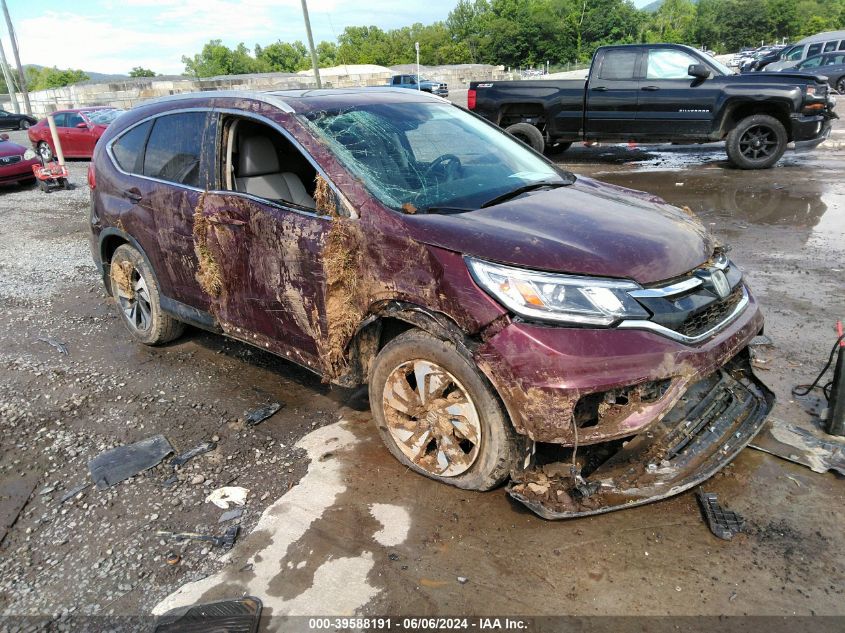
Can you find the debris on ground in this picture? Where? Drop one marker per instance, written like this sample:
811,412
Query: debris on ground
14,494
70,494
172,558
761,340
183,458
222,497
236,513
61,347
723,523
123,462
226,616
262,413
820,453
226,541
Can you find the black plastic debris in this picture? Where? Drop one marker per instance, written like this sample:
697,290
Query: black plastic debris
226,616
809,447
182,458
70,494
234,513
226,541
61,347
723,523
262,413
123,462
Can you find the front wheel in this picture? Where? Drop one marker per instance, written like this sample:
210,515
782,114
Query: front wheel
437,414
136,296
840,86
757,142
528,134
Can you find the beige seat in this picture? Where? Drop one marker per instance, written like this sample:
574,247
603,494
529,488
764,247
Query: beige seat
259,174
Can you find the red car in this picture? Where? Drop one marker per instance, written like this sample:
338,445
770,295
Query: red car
79,130
16,161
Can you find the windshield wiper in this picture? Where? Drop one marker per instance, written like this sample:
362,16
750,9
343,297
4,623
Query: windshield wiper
446,210
523,189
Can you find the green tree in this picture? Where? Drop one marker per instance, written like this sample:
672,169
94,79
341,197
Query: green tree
47,78
218,59
283,57
137,71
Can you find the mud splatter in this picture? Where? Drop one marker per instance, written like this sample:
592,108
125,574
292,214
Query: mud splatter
208,270
324,198
121,274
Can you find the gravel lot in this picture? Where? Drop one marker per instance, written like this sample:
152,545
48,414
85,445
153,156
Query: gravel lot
98,553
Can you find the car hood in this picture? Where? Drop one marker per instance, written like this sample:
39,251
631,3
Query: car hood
588,228
7,148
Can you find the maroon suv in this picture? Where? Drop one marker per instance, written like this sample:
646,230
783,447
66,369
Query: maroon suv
511,320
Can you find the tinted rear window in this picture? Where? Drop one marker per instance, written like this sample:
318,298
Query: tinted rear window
618,65
173,151
128,150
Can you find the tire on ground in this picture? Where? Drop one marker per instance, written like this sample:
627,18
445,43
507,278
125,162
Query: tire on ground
557,148
163,328
528,134
732,144
500,448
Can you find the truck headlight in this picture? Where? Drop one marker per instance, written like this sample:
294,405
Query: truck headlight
558,298
29,154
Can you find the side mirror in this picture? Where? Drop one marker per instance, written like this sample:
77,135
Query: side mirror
82,126
699,71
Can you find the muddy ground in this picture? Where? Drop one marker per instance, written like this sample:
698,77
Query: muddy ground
345,529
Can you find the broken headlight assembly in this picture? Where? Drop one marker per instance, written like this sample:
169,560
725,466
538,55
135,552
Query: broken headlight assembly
559,298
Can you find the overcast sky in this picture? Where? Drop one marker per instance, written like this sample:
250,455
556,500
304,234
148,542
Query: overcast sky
112,36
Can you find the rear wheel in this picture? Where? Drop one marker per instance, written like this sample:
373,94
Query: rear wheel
44,151
136,296
757,142
437,414
840,86
24,125
528,134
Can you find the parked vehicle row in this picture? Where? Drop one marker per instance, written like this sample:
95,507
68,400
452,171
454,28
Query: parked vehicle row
425,85
79,129
827,42
664,93
12,121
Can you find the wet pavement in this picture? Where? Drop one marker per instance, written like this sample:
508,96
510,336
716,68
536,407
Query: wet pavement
336,526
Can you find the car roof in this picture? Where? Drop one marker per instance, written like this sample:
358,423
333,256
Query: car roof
823,37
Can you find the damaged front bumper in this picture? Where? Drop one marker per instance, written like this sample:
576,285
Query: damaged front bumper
710,424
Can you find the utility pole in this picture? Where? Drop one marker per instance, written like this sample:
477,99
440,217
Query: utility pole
10,85
21,77
417,46
314,63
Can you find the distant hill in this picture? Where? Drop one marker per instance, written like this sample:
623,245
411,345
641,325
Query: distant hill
652,7
95,77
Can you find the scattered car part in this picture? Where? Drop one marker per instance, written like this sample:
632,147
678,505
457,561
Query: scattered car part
222,497
123,462
723,523
262,413
61,347
802,446
70,494
227,616
15,491
235,513
713,421
226,541
182,458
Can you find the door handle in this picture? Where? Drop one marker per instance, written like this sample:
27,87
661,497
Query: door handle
600,89
132,196
651,88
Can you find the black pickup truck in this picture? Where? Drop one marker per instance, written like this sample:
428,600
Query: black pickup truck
659,93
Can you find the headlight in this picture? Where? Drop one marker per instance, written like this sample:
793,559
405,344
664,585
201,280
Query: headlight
29,154
560,298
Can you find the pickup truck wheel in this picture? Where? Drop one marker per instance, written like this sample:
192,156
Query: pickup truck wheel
557,148
757,142
437,414
528,134
840,86
136,297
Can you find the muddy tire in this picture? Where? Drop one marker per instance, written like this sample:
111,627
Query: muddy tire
529,135
757,142
438,415
136,296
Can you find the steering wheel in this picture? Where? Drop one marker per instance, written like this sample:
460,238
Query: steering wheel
447,165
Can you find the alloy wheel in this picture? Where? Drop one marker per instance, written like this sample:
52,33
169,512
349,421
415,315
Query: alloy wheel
134,299
758,142
432,418
840,86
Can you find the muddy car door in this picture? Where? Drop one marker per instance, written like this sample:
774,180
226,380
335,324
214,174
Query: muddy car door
259,239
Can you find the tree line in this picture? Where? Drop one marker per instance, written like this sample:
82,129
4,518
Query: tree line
530,32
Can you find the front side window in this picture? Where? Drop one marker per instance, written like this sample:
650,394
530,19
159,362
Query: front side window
669,64
619,65
173,149
128,150
430,156
812,62
794,53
